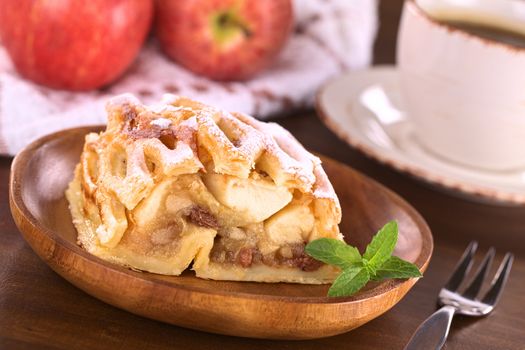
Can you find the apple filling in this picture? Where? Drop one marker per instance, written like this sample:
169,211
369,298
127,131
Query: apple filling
232,221
276,225
233,251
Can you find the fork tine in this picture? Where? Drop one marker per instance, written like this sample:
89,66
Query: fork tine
498,283
474,287
462,267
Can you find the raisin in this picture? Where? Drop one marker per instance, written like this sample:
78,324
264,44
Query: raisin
201,217
308,264
245,257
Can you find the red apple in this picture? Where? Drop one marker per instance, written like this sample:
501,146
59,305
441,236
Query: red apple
74,44
223,39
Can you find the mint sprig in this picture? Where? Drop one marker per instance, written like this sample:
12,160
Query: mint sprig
377,262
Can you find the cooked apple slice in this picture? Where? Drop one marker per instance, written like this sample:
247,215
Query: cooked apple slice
254,199
291,225
114,222
152,206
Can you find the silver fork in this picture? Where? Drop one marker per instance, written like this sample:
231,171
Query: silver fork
433,332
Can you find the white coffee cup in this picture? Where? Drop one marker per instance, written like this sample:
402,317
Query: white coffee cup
464,93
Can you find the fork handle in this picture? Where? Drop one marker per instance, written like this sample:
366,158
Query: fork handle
433,332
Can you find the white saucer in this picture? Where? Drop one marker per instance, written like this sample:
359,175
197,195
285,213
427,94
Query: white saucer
365,109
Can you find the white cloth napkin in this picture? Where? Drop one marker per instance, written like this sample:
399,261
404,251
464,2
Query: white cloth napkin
330,36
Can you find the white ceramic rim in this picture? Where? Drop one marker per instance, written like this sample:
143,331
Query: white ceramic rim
480,193
419,11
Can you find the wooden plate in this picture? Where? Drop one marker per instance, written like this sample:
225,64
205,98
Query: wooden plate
41,172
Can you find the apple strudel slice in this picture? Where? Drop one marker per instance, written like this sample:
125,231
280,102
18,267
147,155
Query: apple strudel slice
182,182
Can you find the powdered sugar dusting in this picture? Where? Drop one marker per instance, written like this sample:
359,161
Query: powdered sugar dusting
163,123
295,160
236,142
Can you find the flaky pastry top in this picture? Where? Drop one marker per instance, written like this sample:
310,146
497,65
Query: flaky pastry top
144,144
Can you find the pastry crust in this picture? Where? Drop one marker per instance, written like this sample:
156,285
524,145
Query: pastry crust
183,182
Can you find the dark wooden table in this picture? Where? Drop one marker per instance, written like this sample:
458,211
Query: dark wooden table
40,310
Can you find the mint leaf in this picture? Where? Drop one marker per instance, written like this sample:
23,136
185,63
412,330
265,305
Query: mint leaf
396,268
333,252
381,247
377,263
349,281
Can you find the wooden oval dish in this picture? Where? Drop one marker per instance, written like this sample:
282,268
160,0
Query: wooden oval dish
41,172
